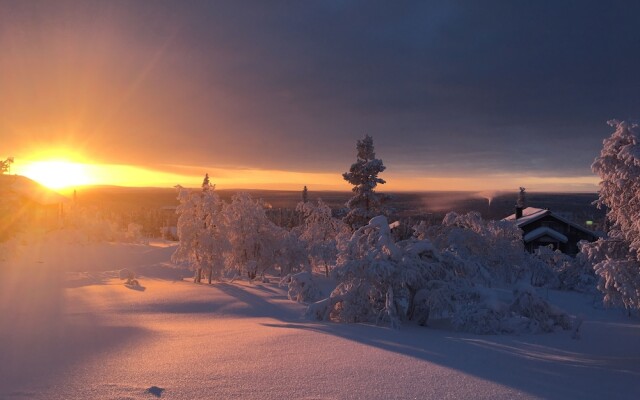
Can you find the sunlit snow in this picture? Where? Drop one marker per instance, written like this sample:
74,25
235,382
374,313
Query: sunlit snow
71,330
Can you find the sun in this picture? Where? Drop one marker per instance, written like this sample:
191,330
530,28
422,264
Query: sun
57,174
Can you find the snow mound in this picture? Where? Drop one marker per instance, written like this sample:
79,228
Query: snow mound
302,287
528,313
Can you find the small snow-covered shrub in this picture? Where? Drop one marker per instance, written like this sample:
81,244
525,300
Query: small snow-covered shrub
303,288
483,251
126,273
86,225
134,234
482,313
480,319
129,276
542,316
541,273
565,272
578,276
320,309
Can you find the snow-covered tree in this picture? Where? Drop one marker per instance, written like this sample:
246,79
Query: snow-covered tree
617,258
214,240
563,271
320,231
291,255
206,183
363,174
364,273
380,280
617,268
189,231
383,281
254,238
486,252
201,232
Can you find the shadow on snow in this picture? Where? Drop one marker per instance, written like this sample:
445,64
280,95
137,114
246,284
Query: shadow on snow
535,364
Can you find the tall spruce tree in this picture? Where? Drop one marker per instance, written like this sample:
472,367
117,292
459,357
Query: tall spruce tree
206,183
363,174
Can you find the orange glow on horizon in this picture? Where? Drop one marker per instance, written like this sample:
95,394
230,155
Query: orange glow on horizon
63,173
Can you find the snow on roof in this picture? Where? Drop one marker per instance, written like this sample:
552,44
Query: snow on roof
529,214
25,187
542,231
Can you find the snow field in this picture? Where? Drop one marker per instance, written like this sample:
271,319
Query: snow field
85,335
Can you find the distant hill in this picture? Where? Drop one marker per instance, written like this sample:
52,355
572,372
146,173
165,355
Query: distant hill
25,188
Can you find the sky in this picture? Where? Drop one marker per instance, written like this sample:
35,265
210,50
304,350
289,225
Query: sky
274,94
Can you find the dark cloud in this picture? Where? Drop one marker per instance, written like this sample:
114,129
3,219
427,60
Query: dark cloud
445,87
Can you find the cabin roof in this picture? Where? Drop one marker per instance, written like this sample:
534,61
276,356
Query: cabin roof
529,215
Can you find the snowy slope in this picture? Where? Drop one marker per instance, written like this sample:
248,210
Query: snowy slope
86,335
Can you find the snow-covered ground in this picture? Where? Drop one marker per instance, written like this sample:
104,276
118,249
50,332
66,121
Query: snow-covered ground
70,330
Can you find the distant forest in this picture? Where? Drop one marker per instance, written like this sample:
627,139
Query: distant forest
133,204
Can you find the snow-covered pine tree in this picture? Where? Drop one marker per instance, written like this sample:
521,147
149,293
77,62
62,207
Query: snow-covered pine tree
619,169
363,174
206,184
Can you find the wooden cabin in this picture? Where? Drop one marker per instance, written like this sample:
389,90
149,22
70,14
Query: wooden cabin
542,227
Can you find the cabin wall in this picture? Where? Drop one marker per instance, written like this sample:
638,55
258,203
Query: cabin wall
571,232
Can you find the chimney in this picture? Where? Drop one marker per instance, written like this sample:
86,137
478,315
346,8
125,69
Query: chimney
520,203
